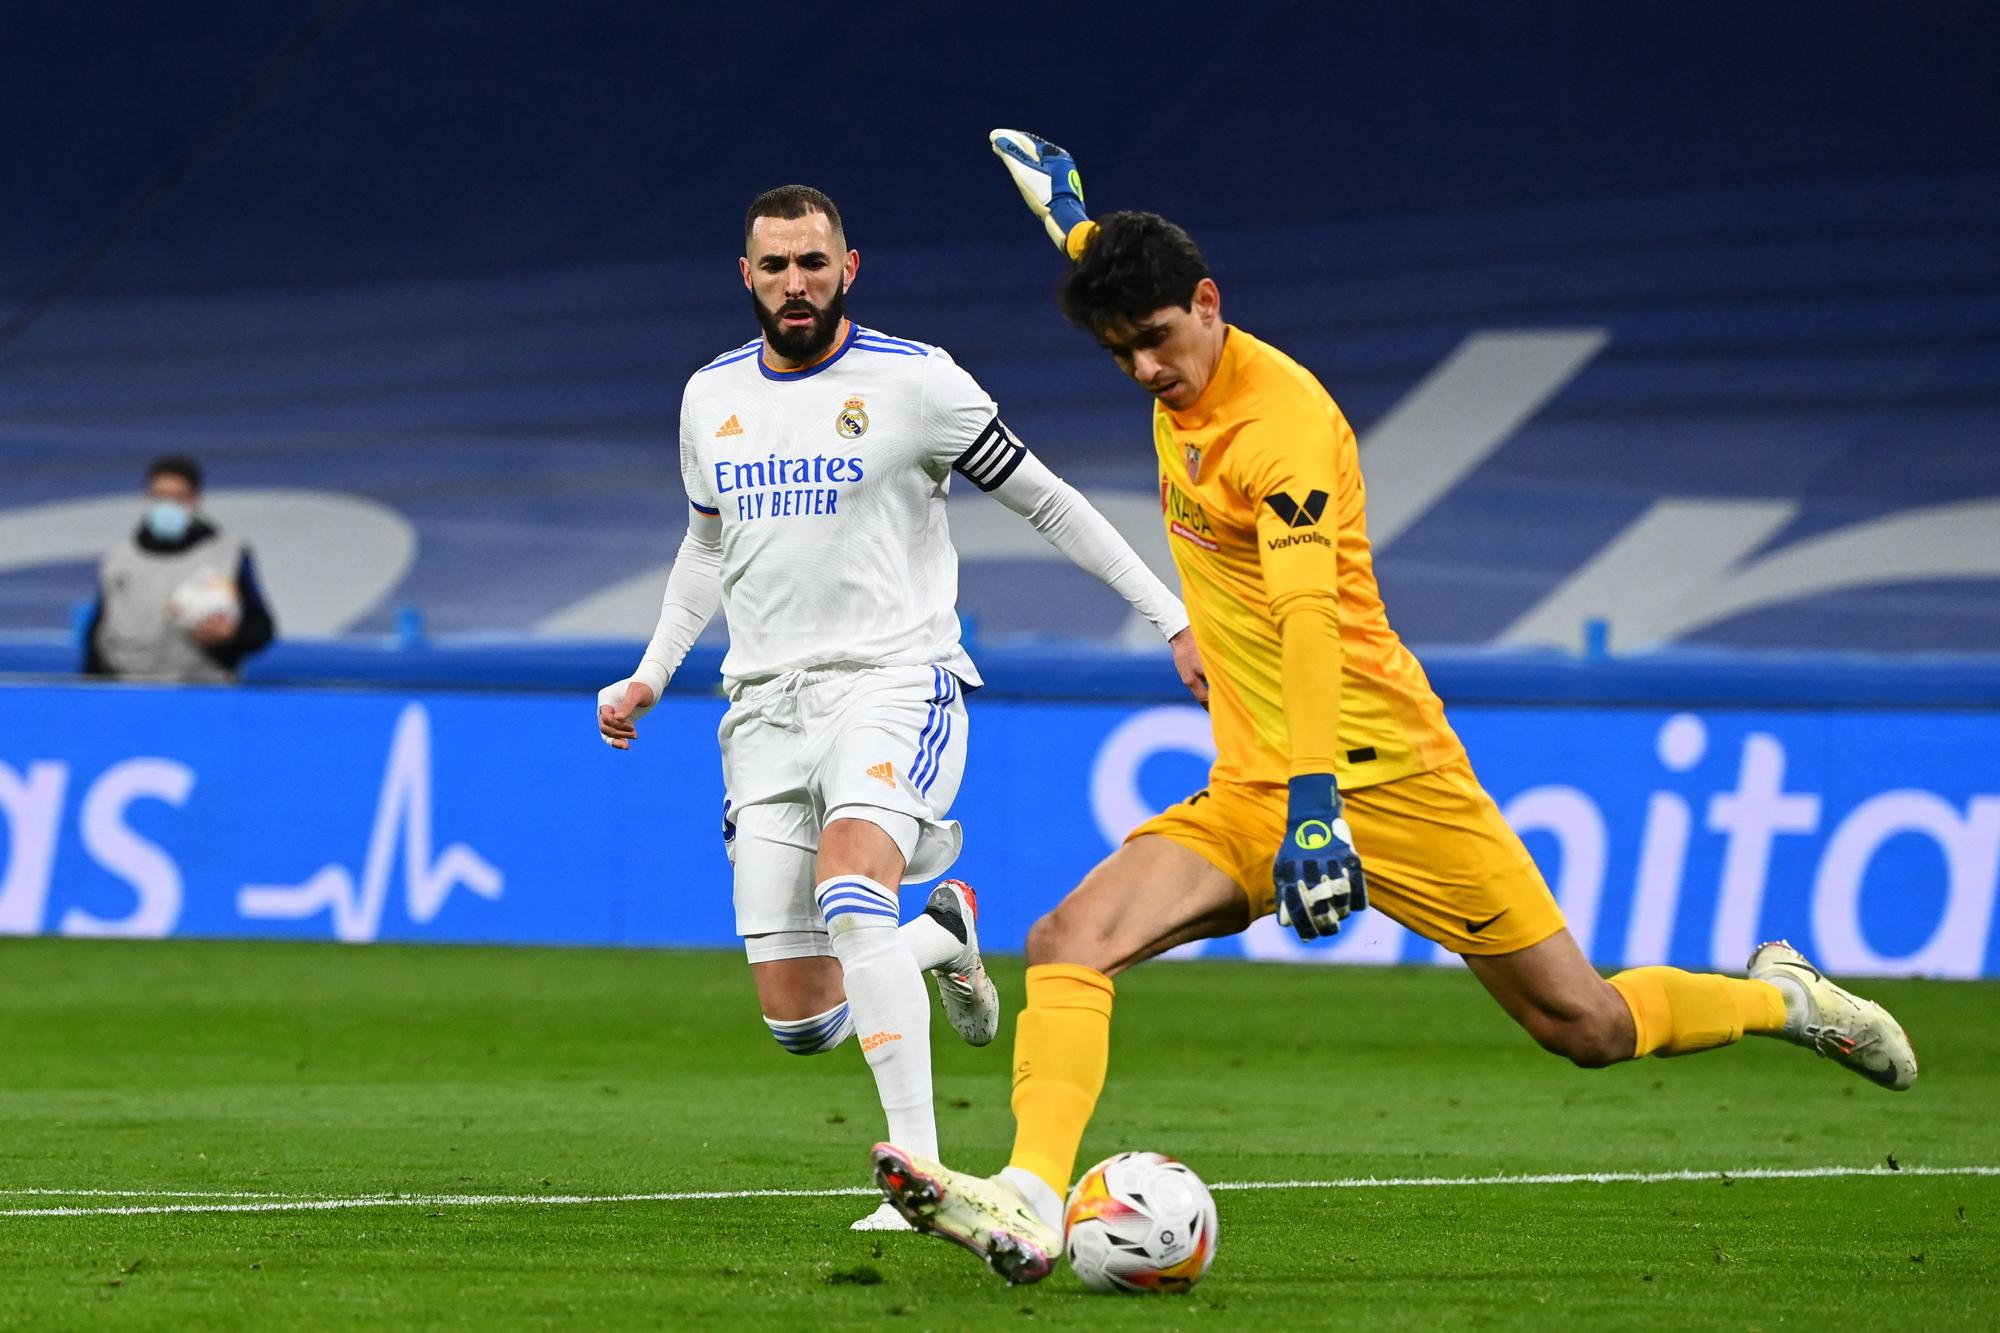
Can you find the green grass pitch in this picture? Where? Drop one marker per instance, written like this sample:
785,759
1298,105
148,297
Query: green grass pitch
340,1073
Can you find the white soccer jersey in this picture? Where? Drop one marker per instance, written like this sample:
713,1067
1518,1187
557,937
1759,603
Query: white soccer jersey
819,512
830,486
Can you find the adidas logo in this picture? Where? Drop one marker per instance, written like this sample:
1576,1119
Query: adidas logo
729,427
883,772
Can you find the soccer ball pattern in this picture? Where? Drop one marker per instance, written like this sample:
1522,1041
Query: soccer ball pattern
1140,1221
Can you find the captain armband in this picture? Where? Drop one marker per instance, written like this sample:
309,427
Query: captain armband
992,457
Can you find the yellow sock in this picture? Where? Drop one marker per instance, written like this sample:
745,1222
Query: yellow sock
1062,1044
1678,1013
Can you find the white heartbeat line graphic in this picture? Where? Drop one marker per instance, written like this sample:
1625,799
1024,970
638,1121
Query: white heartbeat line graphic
405,807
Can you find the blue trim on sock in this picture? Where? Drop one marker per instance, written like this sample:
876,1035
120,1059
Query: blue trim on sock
802,1041
841,911
827,904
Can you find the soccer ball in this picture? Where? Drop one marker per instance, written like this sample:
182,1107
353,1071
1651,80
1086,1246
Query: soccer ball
202,596
1139,1221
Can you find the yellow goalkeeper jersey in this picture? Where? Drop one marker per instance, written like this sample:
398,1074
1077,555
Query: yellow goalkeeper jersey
1261,492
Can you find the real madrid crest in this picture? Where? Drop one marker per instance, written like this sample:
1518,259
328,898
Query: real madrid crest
1193,455
852,423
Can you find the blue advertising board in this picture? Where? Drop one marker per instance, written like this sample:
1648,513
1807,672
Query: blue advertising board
1869,837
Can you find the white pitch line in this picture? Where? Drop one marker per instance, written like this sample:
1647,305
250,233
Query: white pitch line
1609,1177
301,1205
282,1204
150,1194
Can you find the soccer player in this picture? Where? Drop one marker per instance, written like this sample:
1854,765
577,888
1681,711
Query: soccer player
816,459
1332,752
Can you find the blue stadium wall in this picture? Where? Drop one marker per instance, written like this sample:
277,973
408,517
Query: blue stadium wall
1870,837
440,269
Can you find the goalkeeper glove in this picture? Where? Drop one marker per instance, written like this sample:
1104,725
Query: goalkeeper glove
1317,874
1048,179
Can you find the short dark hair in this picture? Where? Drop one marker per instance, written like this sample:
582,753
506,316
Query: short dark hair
1135,264
791,201
175,465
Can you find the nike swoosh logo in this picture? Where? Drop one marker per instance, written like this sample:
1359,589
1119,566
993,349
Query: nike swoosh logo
1472,928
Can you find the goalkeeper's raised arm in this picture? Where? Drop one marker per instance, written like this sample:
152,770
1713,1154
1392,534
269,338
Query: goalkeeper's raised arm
1047,178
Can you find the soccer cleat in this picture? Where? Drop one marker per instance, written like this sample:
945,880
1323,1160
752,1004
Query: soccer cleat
884,1218
987,1216
1835,1022
970,1002
1048,179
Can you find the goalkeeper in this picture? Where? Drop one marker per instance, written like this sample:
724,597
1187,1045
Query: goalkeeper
1337,783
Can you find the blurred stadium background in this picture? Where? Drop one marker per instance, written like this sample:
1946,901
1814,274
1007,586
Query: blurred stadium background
1672,334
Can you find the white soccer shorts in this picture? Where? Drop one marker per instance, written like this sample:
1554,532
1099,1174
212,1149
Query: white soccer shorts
883,744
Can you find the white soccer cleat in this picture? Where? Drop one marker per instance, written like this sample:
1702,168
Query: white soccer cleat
987,1216
884,1218
1837,1023
970,1001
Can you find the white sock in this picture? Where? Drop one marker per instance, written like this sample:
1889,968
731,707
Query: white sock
1798,1005
930,942
891,1008
1048,1205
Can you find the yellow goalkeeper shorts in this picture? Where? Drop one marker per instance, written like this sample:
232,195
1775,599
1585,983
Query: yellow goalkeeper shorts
1438,857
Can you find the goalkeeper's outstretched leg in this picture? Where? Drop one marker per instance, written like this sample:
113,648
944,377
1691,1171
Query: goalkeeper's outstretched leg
1551,990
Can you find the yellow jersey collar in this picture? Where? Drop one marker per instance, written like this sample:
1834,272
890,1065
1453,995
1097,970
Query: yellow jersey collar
1228,370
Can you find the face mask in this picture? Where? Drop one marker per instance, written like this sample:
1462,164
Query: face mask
168,521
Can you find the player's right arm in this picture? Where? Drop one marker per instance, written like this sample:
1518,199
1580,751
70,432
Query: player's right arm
1289,469
694,591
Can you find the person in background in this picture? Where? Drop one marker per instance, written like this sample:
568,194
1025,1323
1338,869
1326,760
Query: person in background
178,599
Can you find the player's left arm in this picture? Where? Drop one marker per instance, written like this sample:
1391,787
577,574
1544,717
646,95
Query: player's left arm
980,448
1291,474
1073,525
